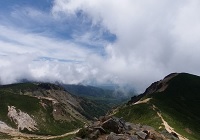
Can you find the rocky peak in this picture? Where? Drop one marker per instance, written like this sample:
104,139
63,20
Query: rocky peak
161,85
158,86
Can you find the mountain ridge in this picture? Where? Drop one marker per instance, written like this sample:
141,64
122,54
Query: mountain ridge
170,105
60,111
176,98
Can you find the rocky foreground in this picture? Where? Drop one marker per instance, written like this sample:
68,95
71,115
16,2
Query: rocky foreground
112,128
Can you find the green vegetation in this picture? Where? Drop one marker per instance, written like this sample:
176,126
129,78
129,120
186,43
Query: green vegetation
46,123
98,101
9,96
49,126
178,104
88,91
140,114
93,109
17,88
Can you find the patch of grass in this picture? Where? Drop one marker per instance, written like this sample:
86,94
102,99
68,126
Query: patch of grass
179,118
140,113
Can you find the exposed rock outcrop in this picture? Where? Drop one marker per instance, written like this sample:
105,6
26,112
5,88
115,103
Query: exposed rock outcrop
22,119
112,128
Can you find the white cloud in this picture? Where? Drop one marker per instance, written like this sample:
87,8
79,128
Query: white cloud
20,42
22,56
154,37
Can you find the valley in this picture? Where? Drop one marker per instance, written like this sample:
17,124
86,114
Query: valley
168,109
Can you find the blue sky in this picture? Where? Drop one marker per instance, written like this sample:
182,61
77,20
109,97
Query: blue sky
84,41
35,16
27,28
44,5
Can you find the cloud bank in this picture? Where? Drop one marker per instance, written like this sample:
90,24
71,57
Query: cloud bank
124,42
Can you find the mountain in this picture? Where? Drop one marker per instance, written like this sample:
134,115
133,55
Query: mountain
107,97
43,109
168,109
171,104
88,91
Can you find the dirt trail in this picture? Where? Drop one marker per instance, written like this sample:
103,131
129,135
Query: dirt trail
4,128
22,136
53,137
167,126
143,101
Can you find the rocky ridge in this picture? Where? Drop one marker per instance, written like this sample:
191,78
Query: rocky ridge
113,128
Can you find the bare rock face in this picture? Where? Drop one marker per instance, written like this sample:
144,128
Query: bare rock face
161,85
21,119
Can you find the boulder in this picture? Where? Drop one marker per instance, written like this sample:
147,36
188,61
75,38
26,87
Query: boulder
111,125
141,134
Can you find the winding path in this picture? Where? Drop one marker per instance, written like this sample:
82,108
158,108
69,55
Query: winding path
167,126
4,128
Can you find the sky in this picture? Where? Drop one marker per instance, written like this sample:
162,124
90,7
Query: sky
123,42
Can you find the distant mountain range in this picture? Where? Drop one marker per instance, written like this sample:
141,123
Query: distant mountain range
110,97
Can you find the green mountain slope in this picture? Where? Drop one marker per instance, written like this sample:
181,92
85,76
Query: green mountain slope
176,98
107,98
89,91
53,110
